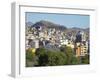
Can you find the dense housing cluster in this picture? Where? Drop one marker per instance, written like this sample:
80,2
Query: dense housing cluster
53,39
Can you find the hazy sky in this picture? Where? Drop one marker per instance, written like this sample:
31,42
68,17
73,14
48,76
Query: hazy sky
68,20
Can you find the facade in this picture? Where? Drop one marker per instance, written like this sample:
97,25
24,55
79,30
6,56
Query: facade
71,44
34,43
78,49
81,45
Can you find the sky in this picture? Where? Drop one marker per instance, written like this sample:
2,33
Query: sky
68,20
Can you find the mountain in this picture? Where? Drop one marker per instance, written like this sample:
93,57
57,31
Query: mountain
75,30
81,29
47,24
29,24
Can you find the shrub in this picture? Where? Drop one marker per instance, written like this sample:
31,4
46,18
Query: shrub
50,57
69,53
30,53
56,58
85,59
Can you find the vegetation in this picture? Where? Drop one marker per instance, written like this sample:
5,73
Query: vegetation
50,58
71,58
45,57
30,54
85,59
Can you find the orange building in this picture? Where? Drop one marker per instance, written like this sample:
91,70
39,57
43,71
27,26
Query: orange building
78,51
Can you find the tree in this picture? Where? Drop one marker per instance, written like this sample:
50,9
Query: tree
56,58
40,51
71,58
30,54
85,59
41,57
50,57
69,53
75,60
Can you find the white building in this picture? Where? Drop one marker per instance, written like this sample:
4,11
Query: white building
34,44
83,36
64,42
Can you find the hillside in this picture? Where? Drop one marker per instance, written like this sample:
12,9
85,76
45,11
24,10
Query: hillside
46,24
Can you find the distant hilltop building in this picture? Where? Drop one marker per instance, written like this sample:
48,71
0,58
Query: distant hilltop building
80,36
